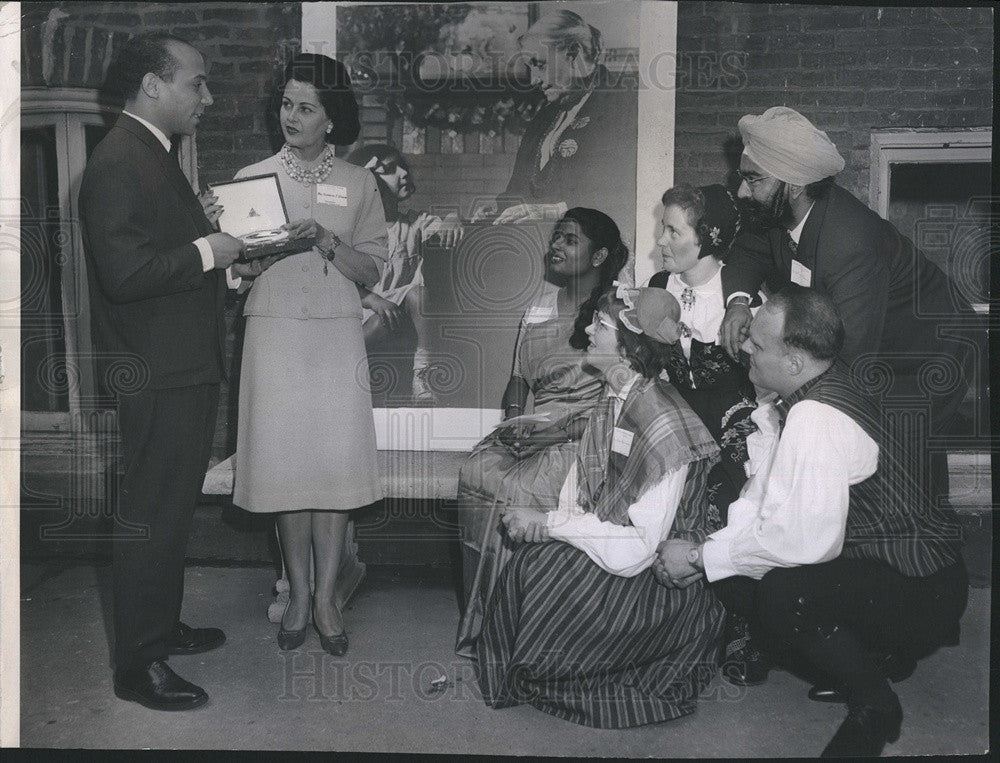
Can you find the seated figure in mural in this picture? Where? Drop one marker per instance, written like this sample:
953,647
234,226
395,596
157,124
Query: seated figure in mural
579,148
579,625
395,329
524,464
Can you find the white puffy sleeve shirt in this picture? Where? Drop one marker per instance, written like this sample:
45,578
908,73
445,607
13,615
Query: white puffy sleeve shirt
793,509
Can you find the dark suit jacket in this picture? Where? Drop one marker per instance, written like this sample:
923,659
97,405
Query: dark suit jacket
594,161
149,296
891,298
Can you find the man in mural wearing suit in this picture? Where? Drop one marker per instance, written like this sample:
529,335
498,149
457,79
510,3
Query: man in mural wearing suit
891,298
157,278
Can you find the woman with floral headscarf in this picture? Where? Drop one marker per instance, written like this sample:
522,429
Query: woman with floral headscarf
698,228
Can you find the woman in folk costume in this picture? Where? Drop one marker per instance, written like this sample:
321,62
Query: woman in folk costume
579,625
698,228
523,464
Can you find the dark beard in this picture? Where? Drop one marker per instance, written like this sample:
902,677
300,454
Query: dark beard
773,214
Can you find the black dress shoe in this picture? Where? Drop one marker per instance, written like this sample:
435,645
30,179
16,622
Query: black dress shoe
187,640
335,645
894,666
746,667
157,687
866,729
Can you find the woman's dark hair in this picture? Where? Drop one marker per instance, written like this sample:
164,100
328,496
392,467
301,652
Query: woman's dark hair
602,232
333,88
384,154
644,354
713,213
139,56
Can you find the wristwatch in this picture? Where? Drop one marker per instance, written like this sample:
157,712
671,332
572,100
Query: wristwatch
694,558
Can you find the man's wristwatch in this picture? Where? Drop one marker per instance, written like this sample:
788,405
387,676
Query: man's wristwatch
694,558
740,300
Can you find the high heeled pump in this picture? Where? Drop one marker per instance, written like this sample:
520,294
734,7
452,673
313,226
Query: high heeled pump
288,640
335,645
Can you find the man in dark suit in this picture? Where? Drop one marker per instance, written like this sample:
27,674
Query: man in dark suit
892,299
157,283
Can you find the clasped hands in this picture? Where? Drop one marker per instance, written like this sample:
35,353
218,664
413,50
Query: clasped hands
522,440
525,525
671,566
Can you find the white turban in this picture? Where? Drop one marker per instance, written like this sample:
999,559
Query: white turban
788,147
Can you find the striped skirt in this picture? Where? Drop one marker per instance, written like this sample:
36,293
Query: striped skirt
594,648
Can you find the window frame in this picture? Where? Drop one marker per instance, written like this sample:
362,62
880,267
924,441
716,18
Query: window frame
70,111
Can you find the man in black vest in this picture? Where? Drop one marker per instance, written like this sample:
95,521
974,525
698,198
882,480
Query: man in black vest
156,273
833,551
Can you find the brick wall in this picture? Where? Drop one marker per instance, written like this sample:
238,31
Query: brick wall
245,44
848,69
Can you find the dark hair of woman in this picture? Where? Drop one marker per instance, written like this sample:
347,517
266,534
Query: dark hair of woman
385,155
645,355
711,211
333,88
602,232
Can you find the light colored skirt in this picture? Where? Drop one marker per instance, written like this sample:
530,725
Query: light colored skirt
306,437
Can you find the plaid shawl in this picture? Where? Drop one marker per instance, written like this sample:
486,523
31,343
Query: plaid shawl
666,434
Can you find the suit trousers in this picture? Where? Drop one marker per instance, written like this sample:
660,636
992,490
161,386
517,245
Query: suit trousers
886,610
166,442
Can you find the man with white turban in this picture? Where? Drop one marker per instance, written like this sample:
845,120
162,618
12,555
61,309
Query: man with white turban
894,301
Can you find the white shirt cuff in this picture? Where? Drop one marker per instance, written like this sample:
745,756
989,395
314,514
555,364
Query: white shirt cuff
233,282
717,560
736,294
205,250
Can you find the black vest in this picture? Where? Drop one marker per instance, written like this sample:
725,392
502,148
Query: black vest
890,517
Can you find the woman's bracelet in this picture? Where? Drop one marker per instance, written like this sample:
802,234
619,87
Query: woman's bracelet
329,252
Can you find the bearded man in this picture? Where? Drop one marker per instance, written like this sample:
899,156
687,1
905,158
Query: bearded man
900,310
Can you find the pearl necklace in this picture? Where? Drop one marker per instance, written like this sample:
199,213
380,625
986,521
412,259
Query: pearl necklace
297,172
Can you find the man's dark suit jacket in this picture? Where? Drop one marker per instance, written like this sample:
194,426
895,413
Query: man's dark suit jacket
891,298
149,295
593,163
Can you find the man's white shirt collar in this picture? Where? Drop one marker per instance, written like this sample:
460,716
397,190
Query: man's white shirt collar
796,232
157,132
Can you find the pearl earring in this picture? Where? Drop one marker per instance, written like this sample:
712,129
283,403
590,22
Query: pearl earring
329,129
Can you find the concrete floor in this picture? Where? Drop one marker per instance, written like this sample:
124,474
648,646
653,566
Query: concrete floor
381,697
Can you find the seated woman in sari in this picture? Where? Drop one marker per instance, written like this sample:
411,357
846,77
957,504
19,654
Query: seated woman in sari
579,625
524,464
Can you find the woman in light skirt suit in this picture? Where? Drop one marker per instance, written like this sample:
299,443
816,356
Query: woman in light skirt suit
306,440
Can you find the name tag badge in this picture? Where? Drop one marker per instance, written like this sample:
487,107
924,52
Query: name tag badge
539,314
801,274
621,441
331,194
